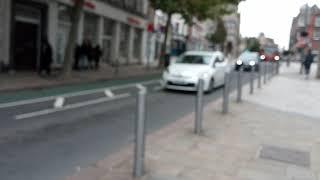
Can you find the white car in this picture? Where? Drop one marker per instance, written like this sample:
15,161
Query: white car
185,73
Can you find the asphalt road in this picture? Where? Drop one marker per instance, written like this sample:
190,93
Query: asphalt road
52,146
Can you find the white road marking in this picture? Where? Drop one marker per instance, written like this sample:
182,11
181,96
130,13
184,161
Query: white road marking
108,93
139,86
59,102
67,95
69,107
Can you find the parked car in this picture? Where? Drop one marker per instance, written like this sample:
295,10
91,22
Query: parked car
248,61
184,74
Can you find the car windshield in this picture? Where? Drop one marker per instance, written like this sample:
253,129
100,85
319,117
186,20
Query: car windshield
249,56
194,59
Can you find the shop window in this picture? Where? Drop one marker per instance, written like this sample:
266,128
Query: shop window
64,25
107,39
130,4
108,27
137,43
90,30
124,40
64,13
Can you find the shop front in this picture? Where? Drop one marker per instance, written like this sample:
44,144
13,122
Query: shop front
28,27
121,34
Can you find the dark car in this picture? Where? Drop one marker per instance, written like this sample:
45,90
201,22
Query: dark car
248,61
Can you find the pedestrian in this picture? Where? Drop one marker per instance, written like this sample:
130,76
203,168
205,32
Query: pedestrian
96,55
77,56
308,62
86,49
45,56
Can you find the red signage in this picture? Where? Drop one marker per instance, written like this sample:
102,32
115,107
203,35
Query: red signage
150,27
87,4
133,21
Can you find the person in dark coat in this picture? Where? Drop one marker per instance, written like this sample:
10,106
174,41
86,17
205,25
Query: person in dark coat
86,49
77,55
96,55
45,57
308,62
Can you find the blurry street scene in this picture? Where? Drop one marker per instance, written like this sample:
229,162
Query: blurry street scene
159,89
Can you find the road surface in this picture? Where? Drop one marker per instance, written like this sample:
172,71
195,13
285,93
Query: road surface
50,146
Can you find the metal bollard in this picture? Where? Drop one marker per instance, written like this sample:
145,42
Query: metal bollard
239,86
270,71
116,70
199,108
138,169
265,72
277,68
251,81
225,104
259,75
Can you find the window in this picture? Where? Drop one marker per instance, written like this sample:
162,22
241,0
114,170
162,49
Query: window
108,27
124,43
64,17
135,6
130,4
317,23
137,43
316,35
64,13
90,27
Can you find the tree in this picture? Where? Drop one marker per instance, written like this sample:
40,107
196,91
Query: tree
220,35
200,9
253,44
73,35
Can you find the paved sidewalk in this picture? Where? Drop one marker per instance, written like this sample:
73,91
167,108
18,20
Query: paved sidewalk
31,80
273,135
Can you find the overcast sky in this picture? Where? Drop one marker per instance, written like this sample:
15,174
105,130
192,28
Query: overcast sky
272,17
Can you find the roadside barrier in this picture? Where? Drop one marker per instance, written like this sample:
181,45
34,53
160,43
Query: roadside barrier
226,90
199,108
140,133
239,86
252,74
259,74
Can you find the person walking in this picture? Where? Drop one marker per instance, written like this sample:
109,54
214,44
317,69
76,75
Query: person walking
77,56
86,49
308,62
96,55
45,57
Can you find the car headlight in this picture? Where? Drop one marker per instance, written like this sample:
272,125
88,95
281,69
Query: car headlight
263,57
239,62
277,58
252,63
205,75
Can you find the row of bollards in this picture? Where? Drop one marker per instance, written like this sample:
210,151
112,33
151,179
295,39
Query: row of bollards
265,72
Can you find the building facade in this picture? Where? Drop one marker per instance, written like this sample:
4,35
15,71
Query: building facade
118,26
232,25
308,20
